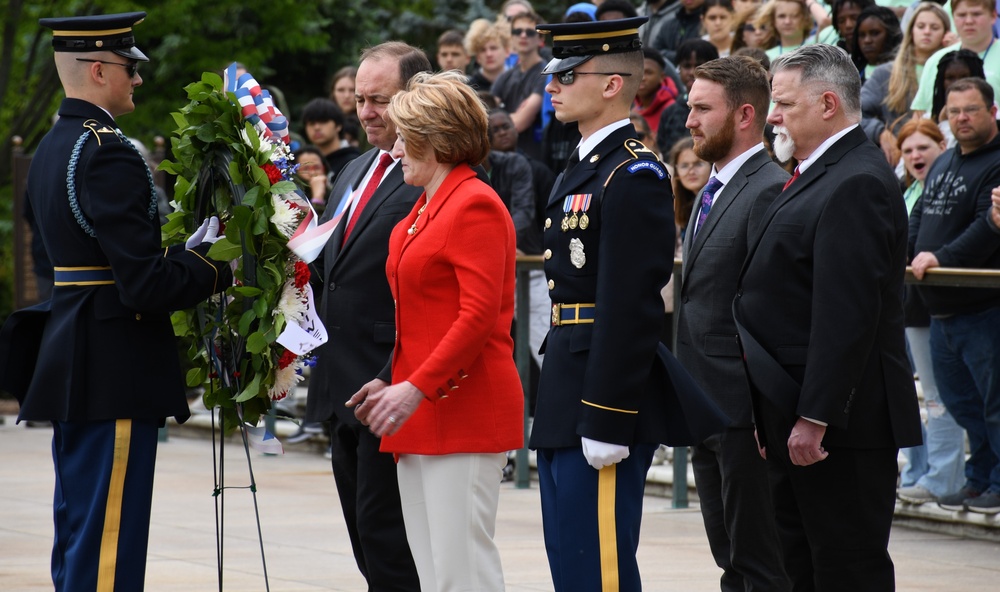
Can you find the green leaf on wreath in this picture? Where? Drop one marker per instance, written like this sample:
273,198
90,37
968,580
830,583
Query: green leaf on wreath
252,199
250,391
224,250
260,223
258,176
256,343
245,320
260,307
241,216
179,120
248,291
212,78
196,376
206,134
283,187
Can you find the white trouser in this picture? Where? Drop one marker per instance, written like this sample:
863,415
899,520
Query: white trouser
450,512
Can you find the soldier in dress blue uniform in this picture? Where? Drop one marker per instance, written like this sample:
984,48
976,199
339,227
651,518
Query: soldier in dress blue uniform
99,358
609,391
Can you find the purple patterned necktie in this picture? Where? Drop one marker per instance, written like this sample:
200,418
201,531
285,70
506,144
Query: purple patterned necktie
707,195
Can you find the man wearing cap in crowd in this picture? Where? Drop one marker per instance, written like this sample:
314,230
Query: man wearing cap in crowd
606,394
107,370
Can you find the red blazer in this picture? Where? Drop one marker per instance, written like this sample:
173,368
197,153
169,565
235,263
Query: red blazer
453,283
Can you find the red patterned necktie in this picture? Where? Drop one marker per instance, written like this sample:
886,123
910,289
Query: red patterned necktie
794,176
383,163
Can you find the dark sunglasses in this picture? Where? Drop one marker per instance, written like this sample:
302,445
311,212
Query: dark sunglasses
748,28
528,32
569,76
131,68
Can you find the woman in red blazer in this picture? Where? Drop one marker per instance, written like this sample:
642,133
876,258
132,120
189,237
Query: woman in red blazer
455,406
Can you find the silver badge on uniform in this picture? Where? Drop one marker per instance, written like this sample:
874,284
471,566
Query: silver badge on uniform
576,255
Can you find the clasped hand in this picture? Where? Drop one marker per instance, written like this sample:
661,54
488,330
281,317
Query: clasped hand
384,408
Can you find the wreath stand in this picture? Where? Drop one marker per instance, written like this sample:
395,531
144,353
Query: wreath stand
215,177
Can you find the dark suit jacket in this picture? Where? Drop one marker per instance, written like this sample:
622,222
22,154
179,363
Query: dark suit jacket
107,351
706,333
821,295
611,380
355,304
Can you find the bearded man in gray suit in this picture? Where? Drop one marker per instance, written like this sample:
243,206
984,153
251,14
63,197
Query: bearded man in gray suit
729,101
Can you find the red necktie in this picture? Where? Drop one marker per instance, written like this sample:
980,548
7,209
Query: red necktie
383,163
794,176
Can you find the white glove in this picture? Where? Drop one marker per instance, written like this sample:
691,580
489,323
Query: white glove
208,232
602,454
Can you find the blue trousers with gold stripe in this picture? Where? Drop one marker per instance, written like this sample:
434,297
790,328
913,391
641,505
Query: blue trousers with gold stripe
104,489
591,519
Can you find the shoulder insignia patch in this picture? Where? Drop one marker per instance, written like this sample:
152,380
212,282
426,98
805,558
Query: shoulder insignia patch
100,129
648,165
635,147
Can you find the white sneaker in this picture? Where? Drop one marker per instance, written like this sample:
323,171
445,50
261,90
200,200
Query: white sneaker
916,494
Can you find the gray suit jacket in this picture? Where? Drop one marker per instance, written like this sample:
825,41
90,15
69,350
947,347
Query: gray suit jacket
706,333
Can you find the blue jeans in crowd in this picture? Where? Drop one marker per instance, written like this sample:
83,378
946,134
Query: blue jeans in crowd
938,464
966,353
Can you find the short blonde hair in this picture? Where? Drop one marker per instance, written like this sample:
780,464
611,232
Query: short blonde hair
766,17
441,113
482,31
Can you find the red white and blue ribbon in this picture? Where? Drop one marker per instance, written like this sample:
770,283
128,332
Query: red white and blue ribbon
256,104
310,237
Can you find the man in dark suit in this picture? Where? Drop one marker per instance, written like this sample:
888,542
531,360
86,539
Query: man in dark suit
104,369
729,101
604,389
819,313
358,311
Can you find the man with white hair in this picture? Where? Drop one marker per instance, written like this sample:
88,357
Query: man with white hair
819,312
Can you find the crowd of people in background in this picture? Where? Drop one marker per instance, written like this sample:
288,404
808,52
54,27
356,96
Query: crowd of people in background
907,55
907,126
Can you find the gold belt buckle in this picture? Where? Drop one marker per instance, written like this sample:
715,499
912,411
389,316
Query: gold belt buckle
556,309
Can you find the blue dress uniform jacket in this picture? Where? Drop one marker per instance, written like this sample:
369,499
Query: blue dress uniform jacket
612,380
108,349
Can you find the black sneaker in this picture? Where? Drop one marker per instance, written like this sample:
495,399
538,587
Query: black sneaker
987,503
956,501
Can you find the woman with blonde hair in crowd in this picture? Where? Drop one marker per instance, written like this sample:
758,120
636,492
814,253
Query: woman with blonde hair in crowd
788,25
747,32
888,92
489,43
454,406
690,175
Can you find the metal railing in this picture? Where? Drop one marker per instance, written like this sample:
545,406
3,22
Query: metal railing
936,276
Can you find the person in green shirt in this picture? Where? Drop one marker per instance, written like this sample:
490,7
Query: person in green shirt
974,21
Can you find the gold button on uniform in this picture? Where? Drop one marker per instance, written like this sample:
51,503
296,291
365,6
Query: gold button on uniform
548,222
548,254
138,317
552,284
